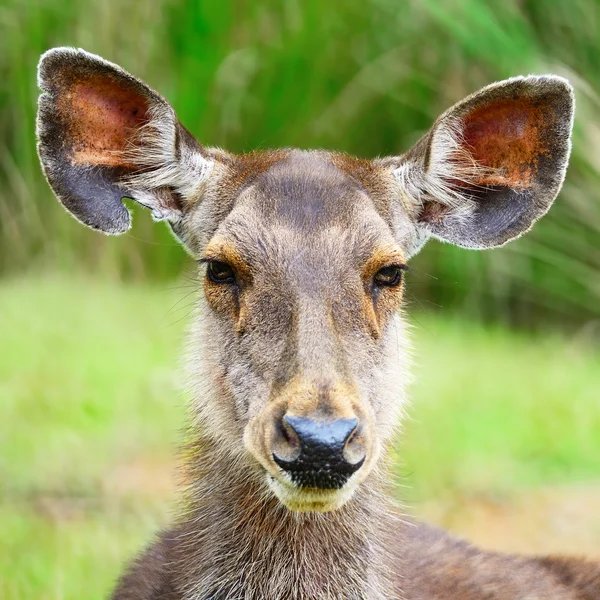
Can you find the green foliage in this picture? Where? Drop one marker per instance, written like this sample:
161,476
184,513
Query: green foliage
364,77
90,415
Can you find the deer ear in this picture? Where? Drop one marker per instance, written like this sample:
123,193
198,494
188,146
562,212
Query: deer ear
492,164
104,135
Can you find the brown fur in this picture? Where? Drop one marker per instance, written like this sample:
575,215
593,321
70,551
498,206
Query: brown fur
305,330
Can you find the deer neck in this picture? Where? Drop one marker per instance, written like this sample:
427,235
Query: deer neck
239,542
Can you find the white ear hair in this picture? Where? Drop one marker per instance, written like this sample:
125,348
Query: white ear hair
163,161
448,172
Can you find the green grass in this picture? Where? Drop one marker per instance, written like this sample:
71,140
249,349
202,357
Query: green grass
90,370
87,385
90,417
367,77
495,411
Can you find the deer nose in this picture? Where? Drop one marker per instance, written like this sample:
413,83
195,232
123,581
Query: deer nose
319,454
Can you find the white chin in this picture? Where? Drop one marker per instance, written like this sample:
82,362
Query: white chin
309,500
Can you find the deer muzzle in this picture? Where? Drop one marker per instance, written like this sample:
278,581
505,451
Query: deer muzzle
317,444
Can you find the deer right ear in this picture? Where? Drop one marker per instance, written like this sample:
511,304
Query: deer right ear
104,135
491,165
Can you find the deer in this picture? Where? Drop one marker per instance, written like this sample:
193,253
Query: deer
300,349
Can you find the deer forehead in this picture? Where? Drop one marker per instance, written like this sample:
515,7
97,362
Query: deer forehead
309,209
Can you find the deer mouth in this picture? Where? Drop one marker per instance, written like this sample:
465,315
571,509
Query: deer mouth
303,499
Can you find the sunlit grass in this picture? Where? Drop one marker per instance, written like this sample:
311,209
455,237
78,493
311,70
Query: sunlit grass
90,416
494,411
86,371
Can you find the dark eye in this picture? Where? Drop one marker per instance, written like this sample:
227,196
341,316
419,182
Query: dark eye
220,272
388,276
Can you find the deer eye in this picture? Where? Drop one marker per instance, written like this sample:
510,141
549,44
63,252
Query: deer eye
220,272
388,276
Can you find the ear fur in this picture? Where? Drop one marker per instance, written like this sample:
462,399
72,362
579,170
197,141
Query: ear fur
104,135
492,164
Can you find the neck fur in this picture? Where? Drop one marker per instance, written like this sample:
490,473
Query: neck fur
238,541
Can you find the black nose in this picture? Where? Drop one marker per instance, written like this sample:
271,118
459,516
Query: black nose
315,453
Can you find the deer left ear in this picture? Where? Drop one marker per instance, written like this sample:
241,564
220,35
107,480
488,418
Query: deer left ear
104,135
492,164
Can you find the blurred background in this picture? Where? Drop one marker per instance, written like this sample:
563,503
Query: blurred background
504,441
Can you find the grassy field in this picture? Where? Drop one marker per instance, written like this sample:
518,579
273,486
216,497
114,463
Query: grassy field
503,443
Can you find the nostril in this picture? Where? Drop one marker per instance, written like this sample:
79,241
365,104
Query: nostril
286,445
354,449
288,433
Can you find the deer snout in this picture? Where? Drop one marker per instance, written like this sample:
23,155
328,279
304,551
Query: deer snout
318,453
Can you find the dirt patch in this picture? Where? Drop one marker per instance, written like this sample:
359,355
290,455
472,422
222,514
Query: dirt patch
154,478
562,520
58,509
135,487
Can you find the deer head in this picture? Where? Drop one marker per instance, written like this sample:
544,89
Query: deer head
301,362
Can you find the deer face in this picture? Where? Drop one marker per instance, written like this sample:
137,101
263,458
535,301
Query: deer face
300,361
302,283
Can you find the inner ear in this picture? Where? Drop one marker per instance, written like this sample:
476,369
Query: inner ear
103,117
508,138
502,148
